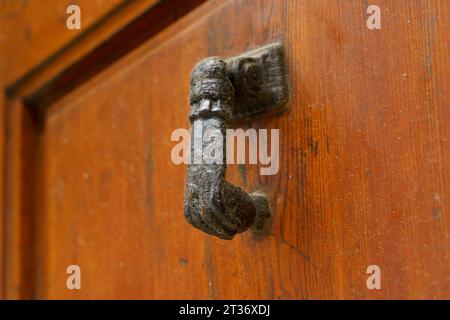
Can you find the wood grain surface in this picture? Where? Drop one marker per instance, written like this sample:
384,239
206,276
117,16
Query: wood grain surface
30,31
364,173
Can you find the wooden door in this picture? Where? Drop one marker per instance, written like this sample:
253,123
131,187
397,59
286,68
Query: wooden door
364,175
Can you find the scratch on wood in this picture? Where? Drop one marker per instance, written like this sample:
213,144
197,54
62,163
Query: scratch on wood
299,252
210,271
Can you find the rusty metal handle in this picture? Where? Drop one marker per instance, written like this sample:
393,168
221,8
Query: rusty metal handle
222,91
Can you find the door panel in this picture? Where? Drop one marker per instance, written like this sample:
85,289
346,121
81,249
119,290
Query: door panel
364,162
41,27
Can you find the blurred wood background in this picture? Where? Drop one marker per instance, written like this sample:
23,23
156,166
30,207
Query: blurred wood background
86,118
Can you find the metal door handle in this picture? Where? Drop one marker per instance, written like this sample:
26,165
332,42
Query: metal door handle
225,91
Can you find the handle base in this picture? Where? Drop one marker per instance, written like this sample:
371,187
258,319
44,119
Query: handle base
264,214
259,78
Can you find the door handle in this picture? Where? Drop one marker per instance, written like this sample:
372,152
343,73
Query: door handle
224,92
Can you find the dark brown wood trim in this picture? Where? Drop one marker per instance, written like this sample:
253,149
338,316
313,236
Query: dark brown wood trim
22,181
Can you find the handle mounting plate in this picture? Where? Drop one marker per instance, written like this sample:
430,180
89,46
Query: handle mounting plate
260,80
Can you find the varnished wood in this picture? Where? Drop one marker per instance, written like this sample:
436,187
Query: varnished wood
363,179
24,27
24,122
120,31
34,30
